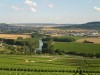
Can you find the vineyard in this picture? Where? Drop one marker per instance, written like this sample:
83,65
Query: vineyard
48,65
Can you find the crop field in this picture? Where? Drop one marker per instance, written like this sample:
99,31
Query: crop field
77,47
48,65
95,40
13,36
32,73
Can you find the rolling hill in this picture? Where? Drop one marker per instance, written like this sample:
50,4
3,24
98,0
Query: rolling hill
89,25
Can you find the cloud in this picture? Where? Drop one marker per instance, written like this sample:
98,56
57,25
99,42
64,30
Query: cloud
97,8
50,5
32,5
33,9
16,8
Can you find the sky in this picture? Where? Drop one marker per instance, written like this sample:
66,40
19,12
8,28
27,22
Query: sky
49,11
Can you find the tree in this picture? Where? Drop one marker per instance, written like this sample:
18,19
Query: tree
47,45
51,49
20,38
68,39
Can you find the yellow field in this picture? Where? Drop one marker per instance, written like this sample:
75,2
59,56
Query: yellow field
95,40
13,36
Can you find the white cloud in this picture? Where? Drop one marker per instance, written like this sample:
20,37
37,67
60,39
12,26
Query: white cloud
16,8
32,5
97,8
33,9
50,5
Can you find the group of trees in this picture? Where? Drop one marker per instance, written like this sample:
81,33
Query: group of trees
86,41
48,45
21,46
64,39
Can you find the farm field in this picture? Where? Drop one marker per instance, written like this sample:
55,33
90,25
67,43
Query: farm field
13,36
32,73
95,40
77,47
47,65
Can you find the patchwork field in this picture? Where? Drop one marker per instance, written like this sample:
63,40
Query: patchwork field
13,36
48,65
95,40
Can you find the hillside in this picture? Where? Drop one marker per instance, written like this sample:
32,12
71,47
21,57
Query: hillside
89,25
3,25
10,28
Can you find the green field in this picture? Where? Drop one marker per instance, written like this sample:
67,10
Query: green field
47,65
32,73
77,47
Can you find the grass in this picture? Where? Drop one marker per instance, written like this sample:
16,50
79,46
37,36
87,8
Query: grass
77,47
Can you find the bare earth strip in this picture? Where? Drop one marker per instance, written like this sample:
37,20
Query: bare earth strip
13,36
95,40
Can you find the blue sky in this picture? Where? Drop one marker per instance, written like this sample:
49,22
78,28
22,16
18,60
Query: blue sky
49,11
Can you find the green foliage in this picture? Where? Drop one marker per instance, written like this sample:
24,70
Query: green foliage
9,41
20,38
64,39
22,46
87,41
36,35
47,45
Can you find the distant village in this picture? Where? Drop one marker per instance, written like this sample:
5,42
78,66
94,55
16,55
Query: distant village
70,32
